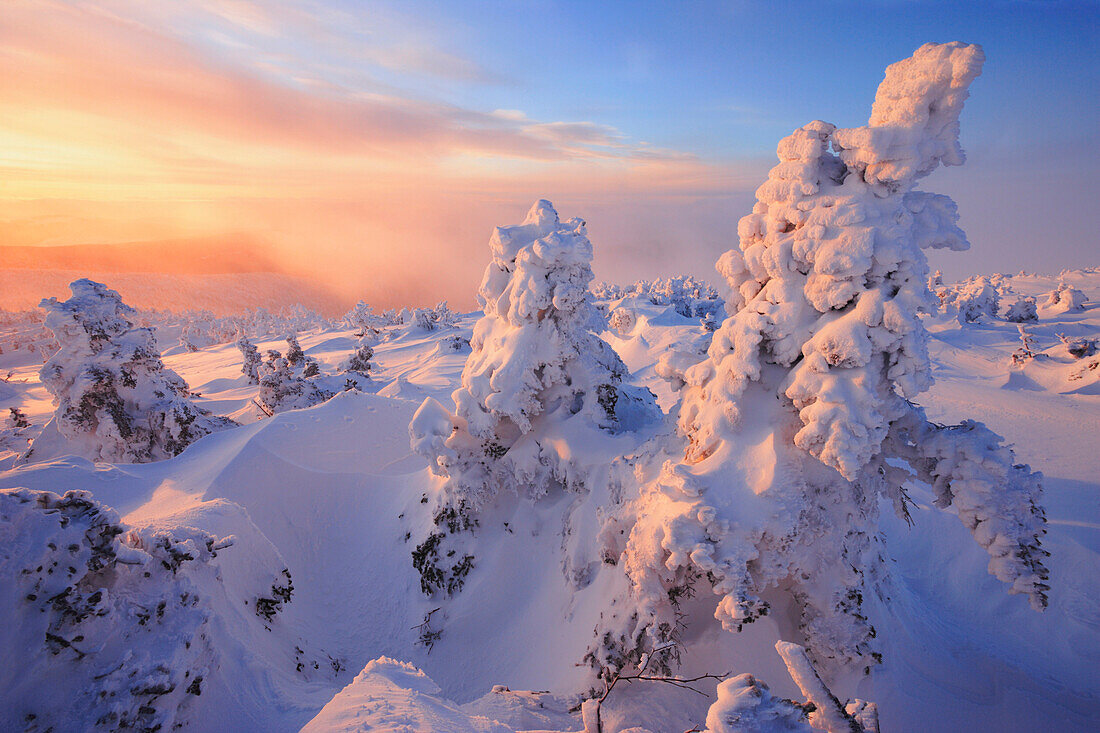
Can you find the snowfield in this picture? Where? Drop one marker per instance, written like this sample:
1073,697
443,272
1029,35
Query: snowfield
836,494
331,492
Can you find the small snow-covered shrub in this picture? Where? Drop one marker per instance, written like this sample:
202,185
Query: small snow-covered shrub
1026,352
116,401
972,300
622,321
454,344
283,388
1078,348
1065,299
252,361
18,418
1022,311
690,297
430,319
607,291
359,360
364,320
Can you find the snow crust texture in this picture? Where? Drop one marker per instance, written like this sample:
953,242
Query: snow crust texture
117,629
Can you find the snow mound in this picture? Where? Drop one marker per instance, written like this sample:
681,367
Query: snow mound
389,696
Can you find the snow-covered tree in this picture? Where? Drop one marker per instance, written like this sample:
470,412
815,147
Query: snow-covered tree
284,388
359,360
430,319
972,300
1022,311
1065,299
115,399
797,419
622,320
538,388
18,418
297,360
535,360
252,360
363,319
295,357
110,606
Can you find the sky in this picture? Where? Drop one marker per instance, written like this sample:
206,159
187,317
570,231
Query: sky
374,145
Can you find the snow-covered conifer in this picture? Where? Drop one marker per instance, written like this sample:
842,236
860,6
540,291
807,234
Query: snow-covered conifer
359,360
18,418
431,319
1022,311
972,300
295,357
540,392
115,399
793,418
535,359
1065,299
363,319
297,360
284,388
252,361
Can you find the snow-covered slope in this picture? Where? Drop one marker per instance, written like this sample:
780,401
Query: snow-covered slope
334,494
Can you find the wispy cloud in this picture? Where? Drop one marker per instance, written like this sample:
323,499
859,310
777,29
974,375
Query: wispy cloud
123,120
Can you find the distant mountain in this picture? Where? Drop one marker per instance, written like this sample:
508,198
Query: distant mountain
222,293
223,254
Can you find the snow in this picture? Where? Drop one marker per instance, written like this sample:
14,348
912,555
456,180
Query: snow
340,494
322,490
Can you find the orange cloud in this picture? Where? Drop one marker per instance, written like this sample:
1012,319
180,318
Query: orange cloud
114,125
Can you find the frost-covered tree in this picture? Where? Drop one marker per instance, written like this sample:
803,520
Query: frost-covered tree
18,418
972,300
115,399
1065,299
111,627
106,605
295,357
622,320
284,388
359,360
799,417
252,360
538,388
430,319
363,319
535,360
1022,311
297,360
